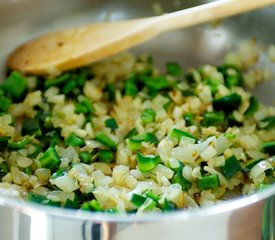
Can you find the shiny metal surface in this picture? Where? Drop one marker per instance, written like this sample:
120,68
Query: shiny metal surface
238,219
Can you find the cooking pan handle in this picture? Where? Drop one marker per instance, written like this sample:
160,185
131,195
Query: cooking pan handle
268,223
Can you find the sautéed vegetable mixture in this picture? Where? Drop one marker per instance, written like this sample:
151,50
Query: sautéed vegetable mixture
122,136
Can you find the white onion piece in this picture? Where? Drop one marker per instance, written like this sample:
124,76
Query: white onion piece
208,153
271,160
174,163
184,154
61,196
222,143
9,190
65,183
200,147
271,53
258,171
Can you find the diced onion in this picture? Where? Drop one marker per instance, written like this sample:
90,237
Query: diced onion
65,183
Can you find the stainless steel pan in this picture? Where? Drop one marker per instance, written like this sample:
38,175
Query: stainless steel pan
236,219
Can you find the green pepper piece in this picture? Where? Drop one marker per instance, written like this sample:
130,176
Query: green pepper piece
151,138
95,205
33,197
45,121
189,119
269,147
263,186
150,206
147,163
227,103
82,76
230,136
213,84
174,69
59,173
5,103
31,127
52,203
231,167
146,137
85,157
188,92
132,212
88,104
231,81
3,143
57,81
69,86
28,170
15,85
49,159
209,182
53,137
38,149
231,74
19,144
213,119
253,106
169,205
91,205
180,179
191,76
179,168
79,108
134,145
71,204
104,139
3,169
232,121
85,106
249,165
131,133
106,156
74,140
111,123
137,200
111,90
131,88
85,206
268,122
148,116
178,134
153,196
156,84
167,104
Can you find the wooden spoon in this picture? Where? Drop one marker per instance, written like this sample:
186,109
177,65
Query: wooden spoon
79,46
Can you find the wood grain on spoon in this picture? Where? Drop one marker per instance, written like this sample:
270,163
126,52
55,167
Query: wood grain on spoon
75,47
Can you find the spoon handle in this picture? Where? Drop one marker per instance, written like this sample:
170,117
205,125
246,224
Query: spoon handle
207,12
